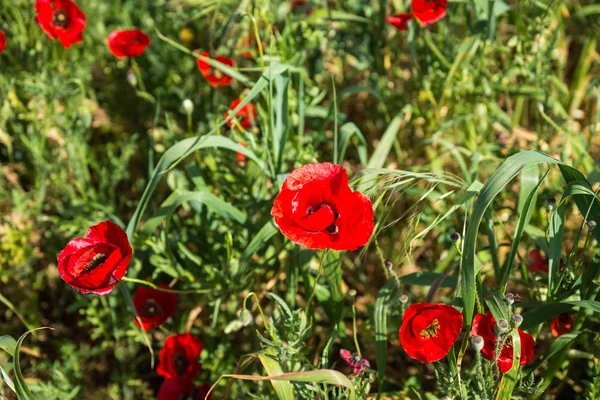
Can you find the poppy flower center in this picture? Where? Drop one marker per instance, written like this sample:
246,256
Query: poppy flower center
60,19
320,218
355,359
180,363
95,261
564,318
151,308
431,330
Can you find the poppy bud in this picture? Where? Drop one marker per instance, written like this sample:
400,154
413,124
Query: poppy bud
389,265
591,225
246,317
477,343
455,236
512,298
352,294
501,326
404,299
516,320
131,78
550,203
540,106
188,106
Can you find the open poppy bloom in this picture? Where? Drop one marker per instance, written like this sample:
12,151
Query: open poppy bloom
428,331
561,324
2,41
215,77
154,307
301,4
245,116
178,359
356,362
483,325
540,263
399,21
429,11
97,262
174,390
127,43
62,20
317,209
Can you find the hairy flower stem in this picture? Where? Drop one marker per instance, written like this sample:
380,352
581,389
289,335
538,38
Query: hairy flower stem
354,330
267,326
153,286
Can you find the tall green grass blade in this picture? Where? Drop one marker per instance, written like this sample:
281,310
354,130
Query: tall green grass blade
382,150
6,379
283,389
348,131
555,240
510,379
332,267
8,344
21,389
281,117
381,313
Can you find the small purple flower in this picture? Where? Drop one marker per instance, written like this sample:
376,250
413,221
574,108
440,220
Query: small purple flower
354,361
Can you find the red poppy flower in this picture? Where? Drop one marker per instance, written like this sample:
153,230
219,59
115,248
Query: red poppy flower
2,41
399,21
356,362
299,4
429,11
62,20
240,157
540,263
483,325
173,390
317,209
96,263
428,331
215,77
127,43
154,306
561,324
245,116
178,359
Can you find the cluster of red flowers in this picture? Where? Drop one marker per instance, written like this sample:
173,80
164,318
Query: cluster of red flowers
425,11
429,331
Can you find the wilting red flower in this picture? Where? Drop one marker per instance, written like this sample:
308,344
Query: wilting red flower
561,324
400,21
428,331
2,41
245,116
215,77
174,390
356,362
483,325
240,157
127,43
297,4
178,359
429,11
154,306
317,209
96,263
540,263
61,19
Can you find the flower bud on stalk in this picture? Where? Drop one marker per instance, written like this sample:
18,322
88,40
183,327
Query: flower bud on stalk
188,106
404,299
550,203
516,320
477,343
501,326
246,317
455,236
591,225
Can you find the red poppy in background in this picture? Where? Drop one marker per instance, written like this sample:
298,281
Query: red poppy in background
483,325
400,21
175,390
215,77
127,43
96,263
428,331
561,324
317,209
178,359
355,361
240,157
297,4
2,41
429,11
245,116
62,20
154,306
540,263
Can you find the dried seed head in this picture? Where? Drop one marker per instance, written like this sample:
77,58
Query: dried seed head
455,236
550,203
477,343
516,320
188,106
404,299
501,326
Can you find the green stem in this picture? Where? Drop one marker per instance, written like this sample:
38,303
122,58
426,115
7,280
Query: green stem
153,286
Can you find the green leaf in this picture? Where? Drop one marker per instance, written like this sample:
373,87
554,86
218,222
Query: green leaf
213,203
381,313
332,267
556,233
382,150
498,306
21,389
281,123
557,345
348,130
510,379
543,313
6,379
8,344
427,279
283,389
